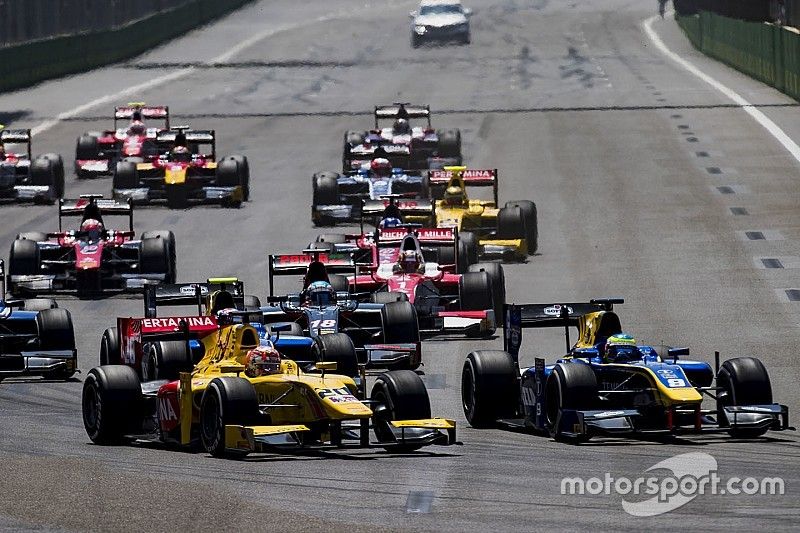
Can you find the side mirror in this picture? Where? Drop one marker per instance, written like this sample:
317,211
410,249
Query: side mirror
412,14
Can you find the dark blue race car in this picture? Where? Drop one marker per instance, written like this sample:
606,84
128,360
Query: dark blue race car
36,337
608,384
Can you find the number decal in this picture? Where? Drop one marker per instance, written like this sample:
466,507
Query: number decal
326,324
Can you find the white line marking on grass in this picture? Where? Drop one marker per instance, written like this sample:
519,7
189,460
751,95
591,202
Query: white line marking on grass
748,108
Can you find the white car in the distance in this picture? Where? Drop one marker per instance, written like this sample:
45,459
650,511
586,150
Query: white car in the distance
440,20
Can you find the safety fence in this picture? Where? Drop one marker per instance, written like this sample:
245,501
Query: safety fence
764,51
24,64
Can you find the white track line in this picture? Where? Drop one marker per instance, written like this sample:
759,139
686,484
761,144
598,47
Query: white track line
748,108
161,80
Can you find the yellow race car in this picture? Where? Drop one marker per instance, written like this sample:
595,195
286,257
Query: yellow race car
487,231
241,396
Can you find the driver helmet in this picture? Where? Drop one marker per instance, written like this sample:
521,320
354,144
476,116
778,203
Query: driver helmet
262,361
621,348
390,222
136,128
93,228
410,261
381,167
401,126
321,293
455,195
181,154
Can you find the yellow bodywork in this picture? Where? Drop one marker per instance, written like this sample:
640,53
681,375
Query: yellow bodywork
175,176
476,216
302,398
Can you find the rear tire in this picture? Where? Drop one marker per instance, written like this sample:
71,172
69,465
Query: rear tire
336,348
166,360
386,297
475,291
744,381
55,330
489,387
398,395
339,282
325,188
169,237
154,257
497,278
226,401
23,259
43,174
125,176
511,223
111,403
467,250
400,326
530,215
58,168
110,351
449,143
233,171
87,148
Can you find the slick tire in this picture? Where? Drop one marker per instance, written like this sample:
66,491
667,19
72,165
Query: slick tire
166,360
744,381
497,279
226,401
154,257
475,291
489,387
511,223
169,237
110,352
467,250
529,213
111,402
400,326
339,282
86,147
398,395
569,386
55,329
449,143
336,348
325,188
23,259
125,176
387,297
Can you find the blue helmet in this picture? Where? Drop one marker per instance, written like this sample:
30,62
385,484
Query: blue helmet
390,222
321,293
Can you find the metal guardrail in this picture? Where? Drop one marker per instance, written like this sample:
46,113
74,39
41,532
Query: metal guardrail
31,20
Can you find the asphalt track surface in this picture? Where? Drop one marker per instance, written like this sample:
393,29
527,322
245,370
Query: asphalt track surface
634,163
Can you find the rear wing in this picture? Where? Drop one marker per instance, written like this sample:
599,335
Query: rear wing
194,138
298,264
418,207
402,110
181,294
424,235
94,206
16,137
465,178
127,112
548,315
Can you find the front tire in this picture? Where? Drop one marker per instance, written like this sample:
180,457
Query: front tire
744,381
569,386
226,401
398,395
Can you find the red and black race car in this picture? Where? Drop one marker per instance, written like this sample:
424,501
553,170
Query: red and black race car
411,147
421,265
97,152
23,178
91,260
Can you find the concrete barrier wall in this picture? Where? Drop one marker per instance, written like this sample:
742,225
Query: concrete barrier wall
766,52
25,64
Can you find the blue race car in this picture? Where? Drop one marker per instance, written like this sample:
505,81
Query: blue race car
608,384
339,197
335,326
36,337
